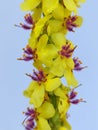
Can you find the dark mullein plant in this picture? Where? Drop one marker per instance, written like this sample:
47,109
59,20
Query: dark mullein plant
51,54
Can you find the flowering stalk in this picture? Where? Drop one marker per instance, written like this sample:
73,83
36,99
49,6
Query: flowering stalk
52,56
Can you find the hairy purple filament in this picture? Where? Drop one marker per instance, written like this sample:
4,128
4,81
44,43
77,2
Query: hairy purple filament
70,23
38,76
29,122
77,65
67,51
72,97
29,54
72,94
25,26
76,101
29,21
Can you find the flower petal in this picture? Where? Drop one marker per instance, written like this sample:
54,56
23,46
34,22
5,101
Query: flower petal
42,124
46,110
37,14
52,84
42,42
70,63
46,58
79,21
59,12
70,78
28,92
63,107
40,24
58,39
29,4
58,67
37,96
49,5
70,5
60,92
55,26
66,124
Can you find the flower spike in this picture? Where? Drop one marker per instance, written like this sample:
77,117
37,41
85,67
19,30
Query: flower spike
51,54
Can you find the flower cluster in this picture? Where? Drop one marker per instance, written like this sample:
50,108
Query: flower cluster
51,54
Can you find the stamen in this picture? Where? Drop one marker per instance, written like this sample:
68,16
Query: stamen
73,94
29,54
66,50
28,19
37,76
29,121
24,26
76,101
69,23
77,65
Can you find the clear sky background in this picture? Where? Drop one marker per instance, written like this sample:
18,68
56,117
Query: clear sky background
12,72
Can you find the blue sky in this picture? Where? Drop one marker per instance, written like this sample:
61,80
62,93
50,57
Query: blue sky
12,72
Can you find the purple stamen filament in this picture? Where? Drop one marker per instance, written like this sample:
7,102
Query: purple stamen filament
29,54
38,76
70,23
66,50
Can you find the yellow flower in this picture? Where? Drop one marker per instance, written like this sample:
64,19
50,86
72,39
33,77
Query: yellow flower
40,115
37,88
36,93
64,64
64,67
72,22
